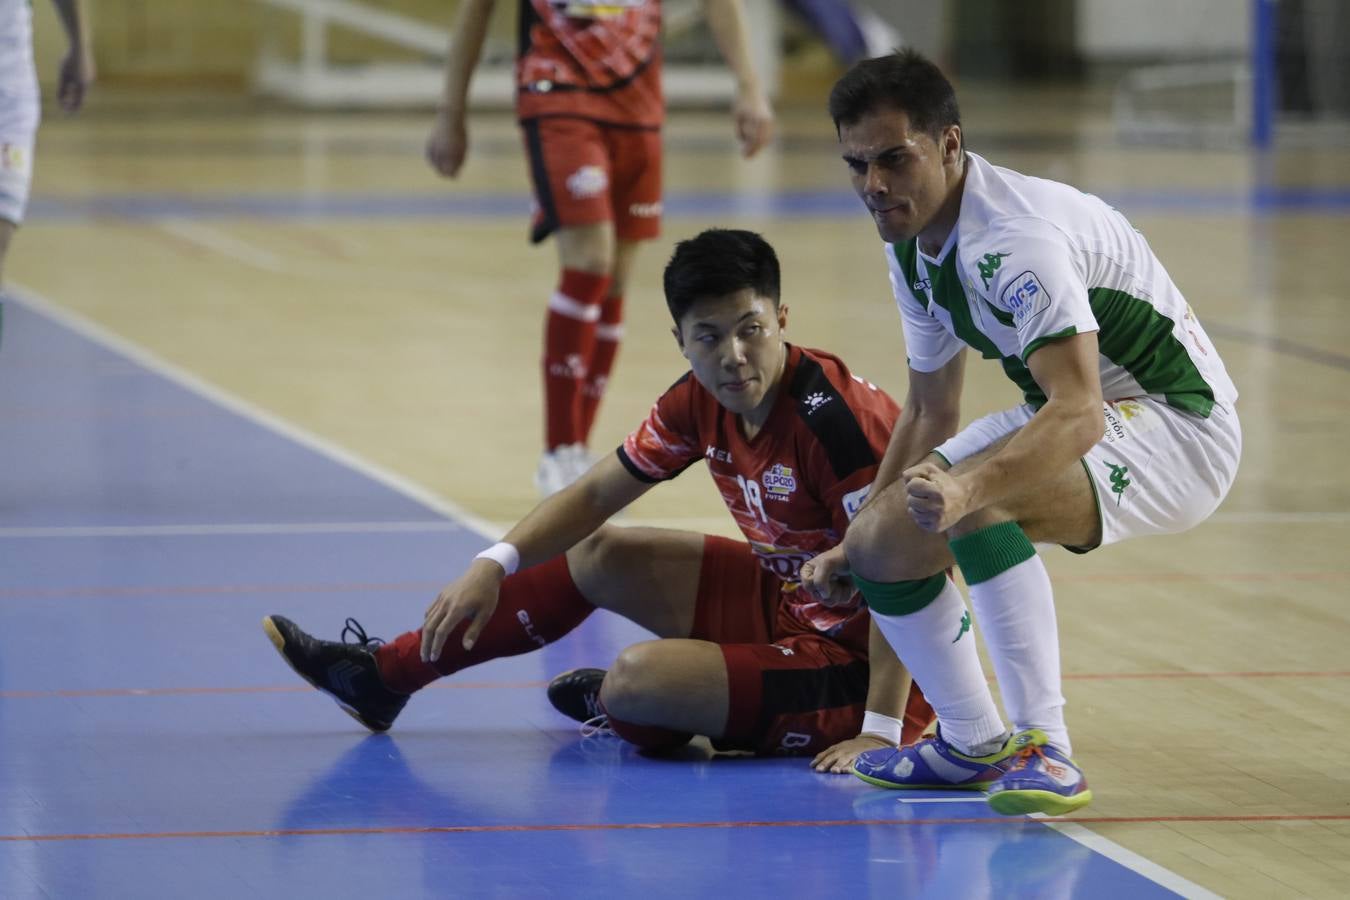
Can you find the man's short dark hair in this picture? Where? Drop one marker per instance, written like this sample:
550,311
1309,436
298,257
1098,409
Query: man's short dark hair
718,262
905,81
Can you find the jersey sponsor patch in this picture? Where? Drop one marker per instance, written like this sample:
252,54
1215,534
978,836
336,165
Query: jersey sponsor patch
853,501
779,482
588,181
1025,299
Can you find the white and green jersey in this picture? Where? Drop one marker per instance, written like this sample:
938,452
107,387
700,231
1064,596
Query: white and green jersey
1032,260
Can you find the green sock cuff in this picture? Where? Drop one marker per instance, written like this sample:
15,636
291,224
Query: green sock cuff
899,598
991,551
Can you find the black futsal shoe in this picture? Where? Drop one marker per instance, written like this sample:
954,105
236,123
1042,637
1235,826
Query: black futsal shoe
345,671
576,694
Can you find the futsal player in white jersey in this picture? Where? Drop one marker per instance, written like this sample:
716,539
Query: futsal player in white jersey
19,103
1129,427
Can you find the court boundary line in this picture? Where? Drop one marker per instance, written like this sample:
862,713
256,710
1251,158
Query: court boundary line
87,328
92,331
1123,856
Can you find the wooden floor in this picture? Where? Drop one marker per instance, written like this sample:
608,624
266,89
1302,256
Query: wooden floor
313,266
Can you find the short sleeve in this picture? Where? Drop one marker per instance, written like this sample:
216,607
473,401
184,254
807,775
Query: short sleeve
1040,291
928,344
667,441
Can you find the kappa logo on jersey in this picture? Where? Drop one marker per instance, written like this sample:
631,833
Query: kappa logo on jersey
989,265
923,285
1025,298
853,501
816,401
718,454
779,482
645,210
588,181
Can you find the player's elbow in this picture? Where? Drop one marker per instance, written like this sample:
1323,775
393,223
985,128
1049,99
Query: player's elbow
1086,424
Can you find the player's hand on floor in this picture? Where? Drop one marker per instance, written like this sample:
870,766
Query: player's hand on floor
826,578
472,598
840,757
448,144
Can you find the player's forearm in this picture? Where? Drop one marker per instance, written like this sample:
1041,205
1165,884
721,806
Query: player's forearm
1058,436
916,433
727,22
574,513
466,46
74,22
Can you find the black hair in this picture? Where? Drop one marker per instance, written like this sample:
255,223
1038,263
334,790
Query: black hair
905,81
718,262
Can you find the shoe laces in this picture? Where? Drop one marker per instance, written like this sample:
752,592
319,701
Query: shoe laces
597,726
1025,756
360,638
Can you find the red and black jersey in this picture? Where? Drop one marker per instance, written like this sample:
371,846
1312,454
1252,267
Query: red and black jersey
793,487
592,59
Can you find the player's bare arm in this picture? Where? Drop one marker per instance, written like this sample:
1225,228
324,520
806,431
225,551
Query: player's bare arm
551,528
888,688
77,66
751,111
1058,435
448,144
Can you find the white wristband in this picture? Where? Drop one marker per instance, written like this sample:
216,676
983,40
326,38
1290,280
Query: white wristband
882,726
504,555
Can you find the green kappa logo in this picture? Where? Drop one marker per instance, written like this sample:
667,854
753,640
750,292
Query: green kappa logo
989,265
965,626
1118,480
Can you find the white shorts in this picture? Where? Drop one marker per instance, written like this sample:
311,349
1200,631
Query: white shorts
1156,470
20,111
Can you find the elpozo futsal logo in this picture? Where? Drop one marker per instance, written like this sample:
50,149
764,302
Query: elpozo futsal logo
779,481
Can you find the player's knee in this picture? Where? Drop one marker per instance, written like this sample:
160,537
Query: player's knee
633,684
878,547
597,553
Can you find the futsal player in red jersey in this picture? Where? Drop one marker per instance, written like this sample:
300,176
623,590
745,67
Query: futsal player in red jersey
743,655
588,96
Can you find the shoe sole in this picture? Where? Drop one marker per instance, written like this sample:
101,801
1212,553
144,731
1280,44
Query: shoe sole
1020,803
972,786
279,641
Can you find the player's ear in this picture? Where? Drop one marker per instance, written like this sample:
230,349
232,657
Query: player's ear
952,141
782,317
679,339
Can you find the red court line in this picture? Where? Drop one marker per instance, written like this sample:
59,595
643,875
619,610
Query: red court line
157,590
531,685
654,826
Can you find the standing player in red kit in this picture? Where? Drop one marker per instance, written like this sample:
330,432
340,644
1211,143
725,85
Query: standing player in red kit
743,655
588,96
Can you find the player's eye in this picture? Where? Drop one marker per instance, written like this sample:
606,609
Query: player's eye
856,166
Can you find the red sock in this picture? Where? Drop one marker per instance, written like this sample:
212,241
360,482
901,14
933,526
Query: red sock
608,334
918,716
537,606
650,737
569,344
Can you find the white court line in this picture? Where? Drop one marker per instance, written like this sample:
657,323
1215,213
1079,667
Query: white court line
218,241
979,799
1129,859
397,483
106,531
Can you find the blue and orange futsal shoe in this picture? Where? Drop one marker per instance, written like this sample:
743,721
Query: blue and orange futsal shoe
345,671
932,764
1040,778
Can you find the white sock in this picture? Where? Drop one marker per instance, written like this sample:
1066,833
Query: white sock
938,647
1016,612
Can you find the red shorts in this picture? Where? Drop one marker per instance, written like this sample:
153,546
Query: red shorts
793,690
586,172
